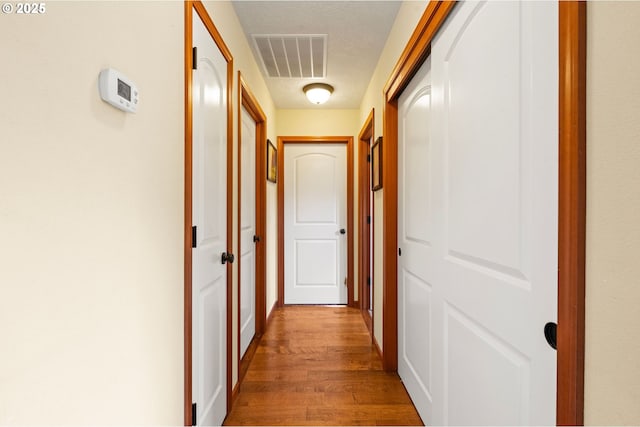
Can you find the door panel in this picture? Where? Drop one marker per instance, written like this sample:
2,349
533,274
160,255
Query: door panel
489,180
315,189
209,279
315,211
415,216
477,279
490,388
247,231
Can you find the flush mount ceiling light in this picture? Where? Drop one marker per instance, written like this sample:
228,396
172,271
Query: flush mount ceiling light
318,93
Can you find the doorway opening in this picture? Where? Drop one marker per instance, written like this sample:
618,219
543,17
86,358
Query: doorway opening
252,220
283,142
365,222
201,243
572,196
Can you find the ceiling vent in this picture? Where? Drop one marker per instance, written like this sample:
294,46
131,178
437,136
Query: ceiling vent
292,55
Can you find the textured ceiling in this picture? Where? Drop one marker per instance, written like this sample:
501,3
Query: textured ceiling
357,32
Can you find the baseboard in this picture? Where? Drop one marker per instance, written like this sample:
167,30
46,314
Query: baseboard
234,393
270,315
375,344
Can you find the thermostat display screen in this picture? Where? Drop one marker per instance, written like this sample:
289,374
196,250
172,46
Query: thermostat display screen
124,90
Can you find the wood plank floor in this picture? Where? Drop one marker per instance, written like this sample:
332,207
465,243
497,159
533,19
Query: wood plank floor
316,366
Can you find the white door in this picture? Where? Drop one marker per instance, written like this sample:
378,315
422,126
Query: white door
478,177
210,217
315,213
247,232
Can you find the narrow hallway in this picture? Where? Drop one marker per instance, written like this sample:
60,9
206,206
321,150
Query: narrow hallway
317,366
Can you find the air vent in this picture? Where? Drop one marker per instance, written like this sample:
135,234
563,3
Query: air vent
292,55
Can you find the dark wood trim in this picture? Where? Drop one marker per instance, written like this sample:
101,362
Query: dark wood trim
280,185
245,361
390,238
188,209
348,140
250,103
572,196
198,7
572,211
417,48
376,346
412,57
350,227
234,396
364,210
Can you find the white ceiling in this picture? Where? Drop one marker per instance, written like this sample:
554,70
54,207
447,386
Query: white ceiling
357,32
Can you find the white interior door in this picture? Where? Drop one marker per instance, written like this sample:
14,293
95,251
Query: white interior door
209,282
478,177
247,233
415,238
315,212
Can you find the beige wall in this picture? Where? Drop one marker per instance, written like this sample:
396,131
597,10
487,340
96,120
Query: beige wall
612,374
91,217
91,209
406,21
226,21
318,122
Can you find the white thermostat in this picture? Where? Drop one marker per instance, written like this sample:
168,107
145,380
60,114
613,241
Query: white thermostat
118,90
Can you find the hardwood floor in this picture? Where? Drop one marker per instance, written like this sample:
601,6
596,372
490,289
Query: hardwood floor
317,366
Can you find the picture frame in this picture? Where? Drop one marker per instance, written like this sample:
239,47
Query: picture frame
376,165
272,162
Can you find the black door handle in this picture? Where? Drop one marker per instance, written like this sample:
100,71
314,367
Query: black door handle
343,231
550,333
227,257
256,238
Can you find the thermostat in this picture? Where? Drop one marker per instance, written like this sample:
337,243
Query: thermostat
118,90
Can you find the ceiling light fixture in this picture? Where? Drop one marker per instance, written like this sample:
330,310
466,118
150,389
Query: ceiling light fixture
318,93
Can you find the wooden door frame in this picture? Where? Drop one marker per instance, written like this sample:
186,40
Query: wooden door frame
572,195
250,103
189,8
282,142
365,239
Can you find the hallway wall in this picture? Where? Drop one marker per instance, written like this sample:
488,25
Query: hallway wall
318,122
91,217
612,377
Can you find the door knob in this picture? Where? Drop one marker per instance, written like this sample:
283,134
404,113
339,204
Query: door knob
227,257
550,333
343,231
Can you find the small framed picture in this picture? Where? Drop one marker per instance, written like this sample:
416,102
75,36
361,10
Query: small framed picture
376,165
272,162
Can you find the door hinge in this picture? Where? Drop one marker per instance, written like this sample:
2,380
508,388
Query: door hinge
194,60
399,251
369,158
369,281
194,414
194,236
368,219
